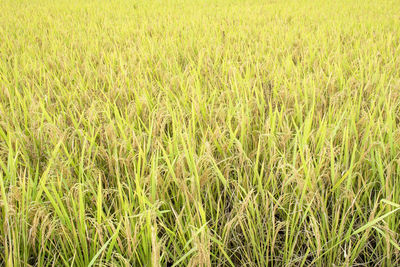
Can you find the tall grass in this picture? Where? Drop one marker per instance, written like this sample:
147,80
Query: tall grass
198,133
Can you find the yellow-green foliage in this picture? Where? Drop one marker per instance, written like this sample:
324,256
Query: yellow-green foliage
198,133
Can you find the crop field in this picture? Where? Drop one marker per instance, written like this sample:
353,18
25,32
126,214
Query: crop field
200,133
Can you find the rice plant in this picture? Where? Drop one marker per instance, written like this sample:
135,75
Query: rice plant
199,133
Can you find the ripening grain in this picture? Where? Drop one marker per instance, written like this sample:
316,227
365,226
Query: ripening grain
199,133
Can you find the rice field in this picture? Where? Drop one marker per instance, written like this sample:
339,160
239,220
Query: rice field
200,133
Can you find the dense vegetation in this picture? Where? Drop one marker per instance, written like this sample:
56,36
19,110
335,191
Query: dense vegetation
198,133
